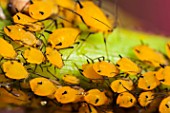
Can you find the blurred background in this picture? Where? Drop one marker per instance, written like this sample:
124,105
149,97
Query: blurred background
153,14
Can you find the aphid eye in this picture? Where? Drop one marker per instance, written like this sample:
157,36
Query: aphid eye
149,87
137,51
167,105
40,83
146,96
18,17
131,100
59,44
65,92
42,13
99,71
49,44
97,100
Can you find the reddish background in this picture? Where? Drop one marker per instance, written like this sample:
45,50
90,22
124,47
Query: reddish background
155,14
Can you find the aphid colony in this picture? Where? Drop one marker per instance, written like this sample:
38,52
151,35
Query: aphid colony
30,43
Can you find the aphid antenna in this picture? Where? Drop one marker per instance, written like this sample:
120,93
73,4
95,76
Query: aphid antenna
10,91
19,47
79,70
77,14
42,35
38,74
47,31
35,67
84,39
72,48
52,74
90,110
101,22
88,58
79,3
106,49
99,58
63,19
24,58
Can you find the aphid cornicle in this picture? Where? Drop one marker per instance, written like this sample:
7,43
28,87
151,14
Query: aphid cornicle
120,86
128,66
96,97
6,49
148,81
105,69
145,98
33,56
148,55
14,70
54,57
164,106
67,94
63,37
93,16
42,86
126,100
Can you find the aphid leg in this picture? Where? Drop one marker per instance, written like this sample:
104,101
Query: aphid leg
88,58
35,67
52,74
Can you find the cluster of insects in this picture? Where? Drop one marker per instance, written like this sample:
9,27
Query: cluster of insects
30,45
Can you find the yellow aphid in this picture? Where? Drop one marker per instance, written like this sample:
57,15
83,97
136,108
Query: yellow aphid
35,26
148,81
126,100
34,56
147,54
41,10
6,49
105,69
159,74
70,4
168,49
42,86
71,79
54,57
164,106
128,66
120,86
15,97
87,108
14,70
89,72
20,18
93,16
165,76
67,94
63,37
145,98
16,33
96,97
